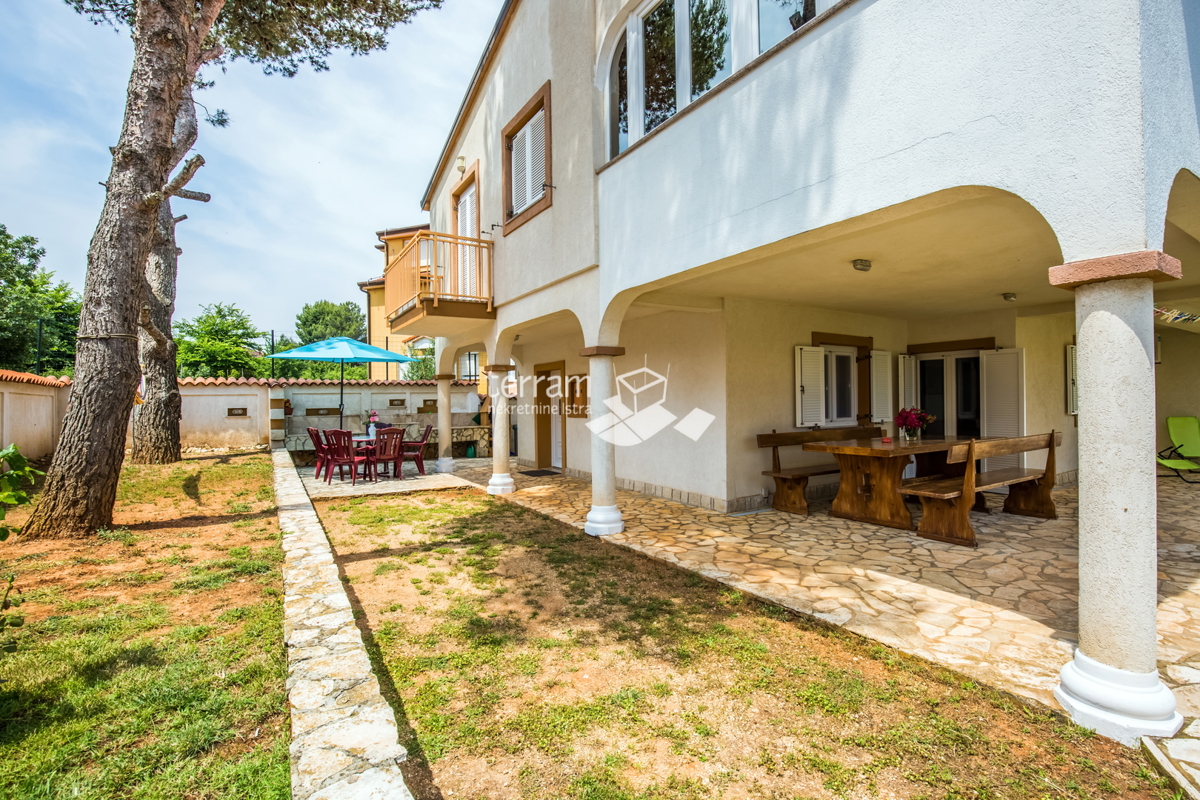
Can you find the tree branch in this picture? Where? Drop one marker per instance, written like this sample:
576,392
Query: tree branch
179,219
188,194
147,324
177,183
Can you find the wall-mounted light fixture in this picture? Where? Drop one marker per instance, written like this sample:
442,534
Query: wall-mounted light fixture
1010,296
460,164
862,264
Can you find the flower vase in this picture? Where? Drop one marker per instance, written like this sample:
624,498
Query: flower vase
371,429
909,436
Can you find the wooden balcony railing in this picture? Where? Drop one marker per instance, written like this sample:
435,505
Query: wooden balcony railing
438,266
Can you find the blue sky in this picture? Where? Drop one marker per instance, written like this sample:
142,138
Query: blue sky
310,167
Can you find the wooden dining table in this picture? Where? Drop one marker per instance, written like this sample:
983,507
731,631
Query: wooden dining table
872,471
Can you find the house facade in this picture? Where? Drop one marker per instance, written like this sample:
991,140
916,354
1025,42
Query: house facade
742,216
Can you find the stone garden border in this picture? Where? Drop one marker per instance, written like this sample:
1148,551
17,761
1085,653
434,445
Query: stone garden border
345,743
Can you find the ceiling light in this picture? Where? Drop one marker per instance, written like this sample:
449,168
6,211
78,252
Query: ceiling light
1010,296
862,264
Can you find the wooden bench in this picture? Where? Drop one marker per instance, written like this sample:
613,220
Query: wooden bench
790,483
947,502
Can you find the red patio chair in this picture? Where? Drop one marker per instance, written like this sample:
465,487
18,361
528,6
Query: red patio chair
341,452
416,450
320,448
389,449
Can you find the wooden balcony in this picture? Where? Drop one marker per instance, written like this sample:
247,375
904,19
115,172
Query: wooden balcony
439,285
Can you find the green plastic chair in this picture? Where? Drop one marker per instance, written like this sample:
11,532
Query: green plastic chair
1178,465
1185,436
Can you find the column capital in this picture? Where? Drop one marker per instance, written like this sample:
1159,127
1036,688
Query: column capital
449,377
499,368
1153,264
601,350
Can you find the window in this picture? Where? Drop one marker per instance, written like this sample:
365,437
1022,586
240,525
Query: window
712,59
841,386
526,158
778,18
660,70
468,367
619,114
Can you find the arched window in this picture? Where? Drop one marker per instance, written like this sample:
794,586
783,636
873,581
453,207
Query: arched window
673,51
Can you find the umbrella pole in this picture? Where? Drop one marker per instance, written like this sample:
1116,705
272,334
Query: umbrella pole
342,396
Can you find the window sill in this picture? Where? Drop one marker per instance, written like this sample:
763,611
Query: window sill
529,213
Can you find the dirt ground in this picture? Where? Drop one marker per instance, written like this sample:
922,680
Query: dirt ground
528,660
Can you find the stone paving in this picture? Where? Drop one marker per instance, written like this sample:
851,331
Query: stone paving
345,744
1004,613
413,481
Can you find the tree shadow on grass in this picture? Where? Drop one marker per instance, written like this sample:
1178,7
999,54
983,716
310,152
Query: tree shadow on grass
201,520
417,773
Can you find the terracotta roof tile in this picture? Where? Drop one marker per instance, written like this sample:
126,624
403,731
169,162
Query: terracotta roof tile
41,380
305,382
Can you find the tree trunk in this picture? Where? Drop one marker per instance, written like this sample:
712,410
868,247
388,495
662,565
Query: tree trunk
81,485
156,421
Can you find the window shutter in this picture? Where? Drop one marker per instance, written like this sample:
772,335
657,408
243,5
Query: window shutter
1002,395
1072,380
881,386
810,386
908,381
520,171
537,156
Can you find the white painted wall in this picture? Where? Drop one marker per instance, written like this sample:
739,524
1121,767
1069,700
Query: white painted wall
31,416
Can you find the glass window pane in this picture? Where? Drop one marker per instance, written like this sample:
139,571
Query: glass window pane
659,26
620,99
932,379
966,376
712,58
844,380
778,18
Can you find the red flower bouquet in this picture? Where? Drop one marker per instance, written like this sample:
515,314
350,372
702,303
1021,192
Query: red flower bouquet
913,420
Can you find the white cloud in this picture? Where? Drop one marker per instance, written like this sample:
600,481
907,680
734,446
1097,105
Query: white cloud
309,169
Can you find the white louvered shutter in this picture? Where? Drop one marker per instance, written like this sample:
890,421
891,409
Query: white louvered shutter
810,386
468,227
1072,380
520,171
1002,395
881,386
907,372
537,156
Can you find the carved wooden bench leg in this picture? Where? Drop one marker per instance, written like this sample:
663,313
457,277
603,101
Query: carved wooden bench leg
789,495
1030,499
947,521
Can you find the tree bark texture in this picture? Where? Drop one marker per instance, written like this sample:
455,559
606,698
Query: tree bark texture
156,421
81,484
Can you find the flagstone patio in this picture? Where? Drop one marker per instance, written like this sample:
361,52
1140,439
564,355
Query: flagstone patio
1004,613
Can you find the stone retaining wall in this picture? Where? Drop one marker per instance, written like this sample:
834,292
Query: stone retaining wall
345,744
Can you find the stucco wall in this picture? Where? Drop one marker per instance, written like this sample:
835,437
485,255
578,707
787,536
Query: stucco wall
528,356
31,417
762,382
1000,325
206,421
1045,339
1177,379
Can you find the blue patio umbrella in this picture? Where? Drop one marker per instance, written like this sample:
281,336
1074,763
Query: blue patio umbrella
344,351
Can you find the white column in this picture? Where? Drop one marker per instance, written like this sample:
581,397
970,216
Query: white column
501,481
604,517
445,462
1112,685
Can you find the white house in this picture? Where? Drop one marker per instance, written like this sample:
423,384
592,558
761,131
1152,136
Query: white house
807,214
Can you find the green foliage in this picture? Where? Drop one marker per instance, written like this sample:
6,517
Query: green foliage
422,370
220,342
29,294
12,483
710,42
282,37
325,320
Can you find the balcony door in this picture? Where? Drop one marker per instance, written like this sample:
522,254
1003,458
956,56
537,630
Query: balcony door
467,283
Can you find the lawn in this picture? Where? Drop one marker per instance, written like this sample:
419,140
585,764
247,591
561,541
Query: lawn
527,660
152,661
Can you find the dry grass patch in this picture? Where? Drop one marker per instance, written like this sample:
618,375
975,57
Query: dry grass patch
533,661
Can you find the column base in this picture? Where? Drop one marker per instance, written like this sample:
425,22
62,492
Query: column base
501,483
445,465
604,520
1116,703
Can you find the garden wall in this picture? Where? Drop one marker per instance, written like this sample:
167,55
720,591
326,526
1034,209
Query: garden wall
31,411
